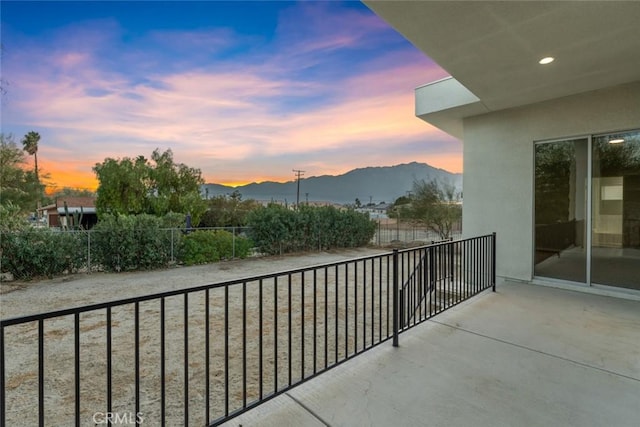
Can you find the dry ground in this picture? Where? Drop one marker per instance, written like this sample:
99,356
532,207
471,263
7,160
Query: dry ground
352,330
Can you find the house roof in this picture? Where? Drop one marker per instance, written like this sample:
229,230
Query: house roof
492,49
85,202
73,204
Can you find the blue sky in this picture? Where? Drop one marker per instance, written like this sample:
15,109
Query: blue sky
245,91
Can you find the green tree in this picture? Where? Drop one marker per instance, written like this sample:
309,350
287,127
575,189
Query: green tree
399,207
437,205
159,186
18,186
73,192
175,187
123,185
30,145
228,211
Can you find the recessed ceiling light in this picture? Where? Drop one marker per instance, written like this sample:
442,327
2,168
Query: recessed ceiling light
616,141
546,60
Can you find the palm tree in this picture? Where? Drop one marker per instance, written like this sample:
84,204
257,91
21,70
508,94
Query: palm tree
30,145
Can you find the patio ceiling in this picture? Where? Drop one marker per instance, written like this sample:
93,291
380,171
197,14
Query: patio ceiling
492,48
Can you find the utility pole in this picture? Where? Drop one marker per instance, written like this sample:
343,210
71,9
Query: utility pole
298,173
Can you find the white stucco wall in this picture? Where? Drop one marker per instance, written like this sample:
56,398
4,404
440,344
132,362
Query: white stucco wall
498,163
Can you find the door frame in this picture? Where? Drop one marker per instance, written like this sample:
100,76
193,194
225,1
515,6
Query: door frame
588,209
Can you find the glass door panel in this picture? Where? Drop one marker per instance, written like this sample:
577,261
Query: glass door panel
560,209
615,229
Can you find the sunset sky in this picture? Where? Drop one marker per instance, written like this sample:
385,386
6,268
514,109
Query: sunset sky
245,91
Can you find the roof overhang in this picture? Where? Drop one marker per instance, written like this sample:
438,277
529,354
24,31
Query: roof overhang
76,210
492,48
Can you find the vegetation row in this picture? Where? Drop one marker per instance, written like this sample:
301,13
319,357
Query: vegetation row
144,242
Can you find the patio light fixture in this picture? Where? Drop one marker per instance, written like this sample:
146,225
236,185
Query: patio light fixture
546,60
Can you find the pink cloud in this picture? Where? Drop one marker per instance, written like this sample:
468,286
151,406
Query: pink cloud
224,117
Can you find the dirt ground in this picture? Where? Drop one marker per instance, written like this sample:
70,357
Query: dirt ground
299,346
25,298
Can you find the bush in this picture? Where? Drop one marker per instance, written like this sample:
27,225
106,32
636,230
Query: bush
200,247
118,243
133,242
276,229
42,252
11,218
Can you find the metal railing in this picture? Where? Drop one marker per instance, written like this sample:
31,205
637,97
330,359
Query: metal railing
406,232
438,279
203,355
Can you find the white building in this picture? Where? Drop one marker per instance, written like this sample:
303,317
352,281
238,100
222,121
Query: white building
551,151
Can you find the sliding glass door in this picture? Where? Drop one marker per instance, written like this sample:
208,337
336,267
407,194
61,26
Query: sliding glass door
587,210
615,210
560,210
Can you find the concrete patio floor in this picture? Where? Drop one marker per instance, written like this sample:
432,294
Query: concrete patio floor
527,355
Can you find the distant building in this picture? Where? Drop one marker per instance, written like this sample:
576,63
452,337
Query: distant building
315,203
319,203
378,211
82,209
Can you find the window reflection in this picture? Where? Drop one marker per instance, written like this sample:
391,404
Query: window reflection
615,237
560,214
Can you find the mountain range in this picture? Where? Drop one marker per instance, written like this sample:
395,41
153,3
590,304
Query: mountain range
369,185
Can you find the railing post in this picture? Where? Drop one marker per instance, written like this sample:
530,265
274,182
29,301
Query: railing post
402,322
88,251
493,260
451,257
432,269
425,274
395,298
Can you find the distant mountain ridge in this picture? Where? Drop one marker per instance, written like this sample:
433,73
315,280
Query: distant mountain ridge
370,184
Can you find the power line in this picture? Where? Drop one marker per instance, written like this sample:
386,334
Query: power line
298,173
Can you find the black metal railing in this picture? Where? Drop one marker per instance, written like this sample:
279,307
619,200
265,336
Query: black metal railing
203,355
442,275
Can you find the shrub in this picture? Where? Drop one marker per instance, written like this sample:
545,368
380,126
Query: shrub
151,243
200,247
173,220
276,229
126,242
11,218
42,252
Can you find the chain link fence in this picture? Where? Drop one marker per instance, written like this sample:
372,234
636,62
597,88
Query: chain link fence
390,231
55,250
82,251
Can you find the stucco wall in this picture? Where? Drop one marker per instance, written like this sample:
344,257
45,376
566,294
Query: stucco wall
498,163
